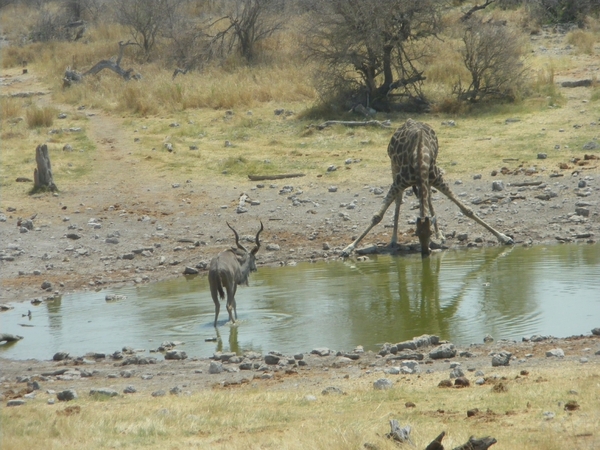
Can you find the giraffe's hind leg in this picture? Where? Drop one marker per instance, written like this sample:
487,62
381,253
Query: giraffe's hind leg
438,234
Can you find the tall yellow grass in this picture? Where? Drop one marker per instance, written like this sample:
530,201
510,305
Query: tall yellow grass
583,41
40,117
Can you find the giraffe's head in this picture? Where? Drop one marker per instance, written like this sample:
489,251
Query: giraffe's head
423,232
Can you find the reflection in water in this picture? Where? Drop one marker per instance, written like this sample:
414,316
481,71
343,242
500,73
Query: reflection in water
459,295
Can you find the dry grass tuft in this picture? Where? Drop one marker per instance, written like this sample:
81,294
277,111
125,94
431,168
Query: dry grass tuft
40,117
583,41
10,108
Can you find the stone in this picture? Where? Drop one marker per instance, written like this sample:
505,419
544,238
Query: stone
498,186
556,352
332,390
271,359
159,393
443,351
175,354
15,402
501,359
66,395
215,367
129,390
190,271
100,392
321,351
60,356
383,384
461,382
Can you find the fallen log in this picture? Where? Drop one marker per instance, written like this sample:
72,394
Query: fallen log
355,123
398,433
9,337
578,83
274,177
477,444
526,183
71,76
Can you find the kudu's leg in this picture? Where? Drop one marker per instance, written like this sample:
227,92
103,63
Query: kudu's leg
444,189
214,292
231,301
387,201
234,304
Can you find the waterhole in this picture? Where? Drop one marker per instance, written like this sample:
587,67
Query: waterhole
458,295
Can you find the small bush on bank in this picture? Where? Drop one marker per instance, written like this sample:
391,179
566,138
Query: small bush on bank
40,117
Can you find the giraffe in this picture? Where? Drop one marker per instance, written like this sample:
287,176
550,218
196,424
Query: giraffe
413,151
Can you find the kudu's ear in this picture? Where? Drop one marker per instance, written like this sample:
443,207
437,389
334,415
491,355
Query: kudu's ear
255,249
237,239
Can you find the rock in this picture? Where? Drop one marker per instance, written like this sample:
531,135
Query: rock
66,395
103,392
457,372
73,236
271,359
556,352
596,331
571,405
445,383
462,382
215,367
332,390
592,145
190,271
443,351
542,156
273,247
498,186
60,356
15,402
159,393
488,338
501,359
129,390
175,354
46,285
114,297
321,351
383,384
367,249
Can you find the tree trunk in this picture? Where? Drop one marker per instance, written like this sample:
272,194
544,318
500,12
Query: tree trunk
42,175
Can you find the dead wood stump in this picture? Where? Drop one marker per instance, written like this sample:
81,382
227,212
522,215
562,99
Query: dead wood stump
42,175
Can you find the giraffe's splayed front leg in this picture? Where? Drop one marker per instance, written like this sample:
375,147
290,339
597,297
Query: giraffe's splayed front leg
504,239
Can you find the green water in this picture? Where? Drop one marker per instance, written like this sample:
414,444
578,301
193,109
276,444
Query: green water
458,295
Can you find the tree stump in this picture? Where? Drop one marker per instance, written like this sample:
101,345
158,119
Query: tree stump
42,175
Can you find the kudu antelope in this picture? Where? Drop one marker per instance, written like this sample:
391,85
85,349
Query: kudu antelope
229,269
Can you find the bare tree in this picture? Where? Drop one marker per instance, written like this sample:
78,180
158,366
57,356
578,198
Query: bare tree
146,20
248,22
493,54
366,49
229,269
562,11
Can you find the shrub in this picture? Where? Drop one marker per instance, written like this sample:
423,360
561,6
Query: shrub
40,117
584,41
